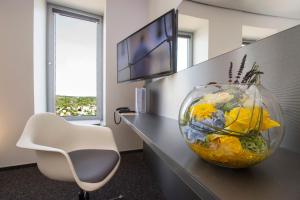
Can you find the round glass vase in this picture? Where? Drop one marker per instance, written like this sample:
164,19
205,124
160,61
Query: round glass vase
232,125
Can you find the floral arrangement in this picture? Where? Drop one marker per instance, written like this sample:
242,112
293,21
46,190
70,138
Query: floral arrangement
229,125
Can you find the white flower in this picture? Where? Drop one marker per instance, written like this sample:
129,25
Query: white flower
251,98
220,97
248,101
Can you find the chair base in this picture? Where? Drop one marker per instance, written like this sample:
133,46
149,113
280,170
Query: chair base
118,197
84,195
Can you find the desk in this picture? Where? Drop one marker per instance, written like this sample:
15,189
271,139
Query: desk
276,178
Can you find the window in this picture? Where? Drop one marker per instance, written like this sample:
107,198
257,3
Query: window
74,64
184,50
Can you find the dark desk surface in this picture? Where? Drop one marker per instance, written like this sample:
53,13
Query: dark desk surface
276,178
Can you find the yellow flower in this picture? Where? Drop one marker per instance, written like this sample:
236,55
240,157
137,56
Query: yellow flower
225,144
244,120
202,111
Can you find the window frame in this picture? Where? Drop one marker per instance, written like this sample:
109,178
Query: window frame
246,41
51,71
188,35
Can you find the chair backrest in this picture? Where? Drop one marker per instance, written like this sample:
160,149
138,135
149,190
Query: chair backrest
45,129
50,130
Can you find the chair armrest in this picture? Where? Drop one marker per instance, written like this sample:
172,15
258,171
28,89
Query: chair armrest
26,143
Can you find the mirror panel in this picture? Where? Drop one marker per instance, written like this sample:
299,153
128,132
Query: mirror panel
206,31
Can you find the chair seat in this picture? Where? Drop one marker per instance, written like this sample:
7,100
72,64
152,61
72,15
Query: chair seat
93,165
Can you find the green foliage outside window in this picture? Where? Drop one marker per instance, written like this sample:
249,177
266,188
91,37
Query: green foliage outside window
76,106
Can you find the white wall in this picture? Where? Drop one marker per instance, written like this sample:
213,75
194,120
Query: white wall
200,44
16,78
121,19
225,26
157,8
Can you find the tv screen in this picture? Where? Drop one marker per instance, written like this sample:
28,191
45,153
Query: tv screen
150,52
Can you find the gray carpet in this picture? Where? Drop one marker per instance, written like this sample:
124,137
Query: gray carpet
133,180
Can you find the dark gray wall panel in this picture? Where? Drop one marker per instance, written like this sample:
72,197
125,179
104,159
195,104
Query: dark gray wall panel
172,186
279,57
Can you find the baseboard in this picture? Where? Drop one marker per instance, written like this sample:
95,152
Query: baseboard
131,151
18,167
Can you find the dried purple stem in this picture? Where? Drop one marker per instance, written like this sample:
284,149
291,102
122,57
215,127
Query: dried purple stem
241,69
230,72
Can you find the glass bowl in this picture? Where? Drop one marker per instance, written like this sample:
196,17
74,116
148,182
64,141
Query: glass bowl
233,125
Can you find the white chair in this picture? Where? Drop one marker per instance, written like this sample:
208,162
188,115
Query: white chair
84,154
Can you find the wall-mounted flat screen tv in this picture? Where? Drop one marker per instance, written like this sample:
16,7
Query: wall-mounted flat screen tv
150,52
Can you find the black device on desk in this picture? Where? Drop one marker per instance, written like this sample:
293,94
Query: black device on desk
121,110
124,110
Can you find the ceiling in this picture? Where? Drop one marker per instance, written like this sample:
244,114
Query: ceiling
190,24
92,6
278,8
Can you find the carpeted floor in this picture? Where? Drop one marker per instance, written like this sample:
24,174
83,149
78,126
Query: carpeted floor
133,180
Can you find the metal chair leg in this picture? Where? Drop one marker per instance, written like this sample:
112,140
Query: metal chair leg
83,195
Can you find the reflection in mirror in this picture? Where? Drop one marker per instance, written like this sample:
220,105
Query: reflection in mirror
206,31
251,34
185,50
192,41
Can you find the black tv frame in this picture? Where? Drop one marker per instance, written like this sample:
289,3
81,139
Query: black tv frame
173,57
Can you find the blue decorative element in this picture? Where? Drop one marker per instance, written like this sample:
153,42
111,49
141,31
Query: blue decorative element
193,135
203,126
209,125
218,119
197,130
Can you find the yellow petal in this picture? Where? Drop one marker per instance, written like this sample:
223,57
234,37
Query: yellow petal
269,124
